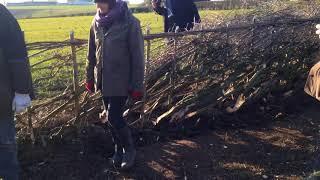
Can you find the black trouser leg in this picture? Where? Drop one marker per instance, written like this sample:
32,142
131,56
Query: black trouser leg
115,107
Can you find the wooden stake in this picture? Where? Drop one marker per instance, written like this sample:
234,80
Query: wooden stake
173,70
29,113
253,33
143,115
75,75
31,130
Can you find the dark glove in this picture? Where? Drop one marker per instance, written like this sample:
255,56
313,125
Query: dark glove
90,87
136,95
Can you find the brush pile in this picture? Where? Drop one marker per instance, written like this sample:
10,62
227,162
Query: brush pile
246,68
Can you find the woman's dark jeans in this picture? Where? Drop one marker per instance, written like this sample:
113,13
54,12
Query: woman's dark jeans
115,106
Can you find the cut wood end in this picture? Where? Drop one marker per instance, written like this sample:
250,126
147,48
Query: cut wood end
103,116
240,101
166,114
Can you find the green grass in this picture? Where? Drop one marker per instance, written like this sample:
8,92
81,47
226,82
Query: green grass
28,12
54,7
49,11
21,12
58,29
57,7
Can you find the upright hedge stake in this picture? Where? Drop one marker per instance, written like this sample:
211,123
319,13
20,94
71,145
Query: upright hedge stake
75,76
29,115
146,71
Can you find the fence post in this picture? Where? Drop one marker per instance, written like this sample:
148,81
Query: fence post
173,68
227,41
253,33
75,75
29,112
146,71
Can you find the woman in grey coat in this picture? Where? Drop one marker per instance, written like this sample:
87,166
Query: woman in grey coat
115,67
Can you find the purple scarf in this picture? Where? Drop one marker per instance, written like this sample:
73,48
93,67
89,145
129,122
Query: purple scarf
116,13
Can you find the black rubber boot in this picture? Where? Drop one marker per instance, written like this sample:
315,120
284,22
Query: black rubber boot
129,151
116,159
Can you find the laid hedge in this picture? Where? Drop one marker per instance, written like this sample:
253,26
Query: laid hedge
211,5
225,5
141,9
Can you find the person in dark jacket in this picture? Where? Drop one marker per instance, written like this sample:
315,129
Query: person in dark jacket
177,13
115,67
15,90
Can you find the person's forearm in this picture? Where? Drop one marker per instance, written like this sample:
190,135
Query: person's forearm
15,53
91,57
136,45
21,77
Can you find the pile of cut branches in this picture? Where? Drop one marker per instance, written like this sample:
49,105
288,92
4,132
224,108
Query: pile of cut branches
249,64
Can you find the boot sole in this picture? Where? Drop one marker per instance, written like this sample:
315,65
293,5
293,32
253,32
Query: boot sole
115,165
128,167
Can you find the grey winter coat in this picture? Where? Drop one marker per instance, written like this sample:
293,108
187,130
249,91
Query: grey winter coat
115,61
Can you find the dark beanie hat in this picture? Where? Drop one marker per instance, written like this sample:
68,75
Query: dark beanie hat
111,3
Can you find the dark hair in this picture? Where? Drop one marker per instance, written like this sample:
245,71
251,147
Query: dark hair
111,3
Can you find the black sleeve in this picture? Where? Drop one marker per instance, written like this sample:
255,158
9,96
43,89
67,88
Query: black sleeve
91,56
15,52
15,48
136,48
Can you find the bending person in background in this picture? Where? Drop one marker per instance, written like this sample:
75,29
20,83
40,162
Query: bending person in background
116,67
15,90
177,13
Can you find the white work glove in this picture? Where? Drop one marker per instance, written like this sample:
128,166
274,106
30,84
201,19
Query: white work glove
318,29
21,102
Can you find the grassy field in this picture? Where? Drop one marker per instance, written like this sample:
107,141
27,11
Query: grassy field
48,11
58,29
53,10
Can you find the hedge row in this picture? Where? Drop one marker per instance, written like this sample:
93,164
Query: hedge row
225,5
212,5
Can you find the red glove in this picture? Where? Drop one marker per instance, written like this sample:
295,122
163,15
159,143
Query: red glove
136,95
90,86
